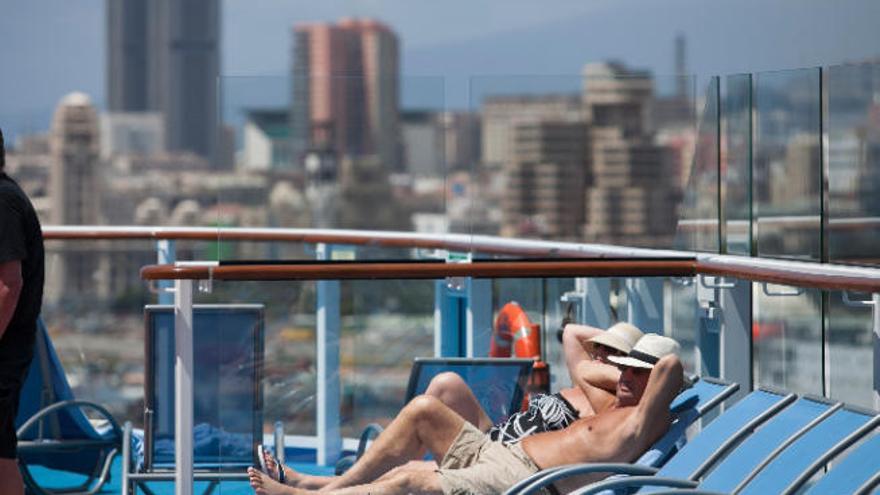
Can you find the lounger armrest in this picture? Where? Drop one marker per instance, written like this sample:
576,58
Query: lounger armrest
543,478
634,481
117,431
370,432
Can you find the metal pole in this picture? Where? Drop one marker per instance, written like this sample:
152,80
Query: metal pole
645,303
328,386
479,316
183,387
166,253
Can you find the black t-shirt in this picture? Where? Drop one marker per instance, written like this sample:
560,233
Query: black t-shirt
21,238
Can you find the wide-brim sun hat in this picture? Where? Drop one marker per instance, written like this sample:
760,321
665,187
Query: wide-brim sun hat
621,336
647,351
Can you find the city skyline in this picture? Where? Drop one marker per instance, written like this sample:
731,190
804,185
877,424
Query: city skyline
56,47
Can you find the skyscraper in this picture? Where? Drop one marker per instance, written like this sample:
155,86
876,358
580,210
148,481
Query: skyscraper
346,90
74,189
164,55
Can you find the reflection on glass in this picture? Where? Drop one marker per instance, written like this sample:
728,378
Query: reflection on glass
594,158
787,338
853,163
850,348
697,228
736,189
385,324
787,176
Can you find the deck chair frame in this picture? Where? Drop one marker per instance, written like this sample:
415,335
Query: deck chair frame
50,440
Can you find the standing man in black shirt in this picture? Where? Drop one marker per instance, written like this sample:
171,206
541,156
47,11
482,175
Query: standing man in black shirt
21,294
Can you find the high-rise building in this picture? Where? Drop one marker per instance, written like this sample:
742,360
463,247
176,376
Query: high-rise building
164,55
502,113
545,180
629,201
74,188
126,75
346,90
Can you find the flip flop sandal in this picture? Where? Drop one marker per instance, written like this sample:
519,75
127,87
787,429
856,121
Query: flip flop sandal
261,451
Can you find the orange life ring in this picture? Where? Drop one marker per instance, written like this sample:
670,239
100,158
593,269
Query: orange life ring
514,329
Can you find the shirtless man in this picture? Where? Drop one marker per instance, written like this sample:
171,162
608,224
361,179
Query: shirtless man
650,378
594,377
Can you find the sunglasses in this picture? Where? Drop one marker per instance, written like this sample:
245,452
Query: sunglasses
610,351
634,369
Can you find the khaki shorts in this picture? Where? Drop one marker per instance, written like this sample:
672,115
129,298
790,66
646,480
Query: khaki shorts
476,464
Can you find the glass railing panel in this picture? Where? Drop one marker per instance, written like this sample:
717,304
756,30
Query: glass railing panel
737,169
597,157
850,339
787,342
787,174
853,130
698,224
357,152
385,325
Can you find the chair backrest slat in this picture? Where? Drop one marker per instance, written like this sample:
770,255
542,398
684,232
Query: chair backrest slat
858,467
724,432
761,444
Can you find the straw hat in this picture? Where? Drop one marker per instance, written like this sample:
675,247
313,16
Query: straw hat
621,336
647,351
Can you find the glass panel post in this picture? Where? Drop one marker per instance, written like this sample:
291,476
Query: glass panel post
644,298
183,387
166,253
328,387
479,316
736,336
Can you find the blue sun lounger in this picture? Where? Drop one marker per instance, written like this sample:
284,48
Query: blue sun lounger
772,457
227,396
54,431
857,473
695,458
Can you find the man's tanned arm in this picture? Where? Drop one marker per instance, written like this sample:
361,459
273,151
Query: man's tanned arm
652,413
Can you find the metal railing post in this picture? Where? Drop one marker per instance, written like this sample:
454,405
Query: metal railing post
644,299
166,253
449,318
478,316
183,387
736,336
327,350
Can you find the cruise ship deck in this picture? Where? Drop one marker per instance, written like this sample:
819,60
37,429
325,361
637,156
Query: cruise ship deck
277,290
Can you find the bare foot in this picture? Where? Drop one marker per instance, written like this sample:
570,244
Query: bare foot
293,478
263,484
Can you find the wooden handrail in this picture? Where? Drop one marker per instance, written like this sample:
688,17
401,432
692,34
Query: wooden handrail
795,273
424,270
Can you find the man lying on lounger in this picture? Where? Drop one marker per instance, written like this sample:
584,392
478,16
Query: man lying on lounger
586,350
651,376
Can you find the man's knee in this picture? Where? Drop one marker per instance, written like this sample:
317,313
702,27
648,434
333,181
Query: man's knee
444,384
423,405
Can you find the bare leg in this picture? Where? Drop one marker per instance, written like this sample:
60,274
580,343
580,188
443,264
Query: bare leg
424,423
402,481
10,478
451,389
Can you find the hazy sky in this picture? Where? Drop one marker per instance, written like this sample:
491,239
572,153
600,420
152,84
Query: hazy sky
51,47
